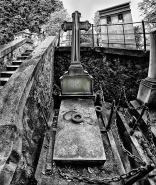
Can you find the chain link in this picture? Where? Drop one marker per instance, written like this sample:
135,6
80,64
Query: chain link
150,134
148,123
127,103
105,181
136,159
103,100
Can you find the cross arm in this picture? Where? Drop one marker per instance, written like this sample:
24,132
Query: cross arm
66,26
82,26
85,25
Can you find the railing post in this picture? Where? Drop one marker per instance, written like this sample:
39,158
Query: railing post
97,39
143,27
123,34
58,44
93,35
138,120
107,36
144,171
70,37
111,115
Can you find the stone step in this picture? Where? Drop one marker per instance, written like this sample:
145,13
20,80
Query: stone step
25,54
12,67
22,57
17,62
28,51
3,81
6,73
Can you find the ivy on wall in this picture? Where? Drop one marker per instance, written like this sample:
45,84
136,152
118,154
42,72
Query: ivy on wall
110,71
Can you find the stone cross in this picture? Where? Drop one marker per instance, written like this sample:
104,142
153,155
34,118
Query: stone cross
75,26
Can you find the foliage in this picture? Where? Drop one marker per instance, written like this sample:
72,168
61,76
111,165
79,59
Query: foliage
109,71
56,19
18,15
147,8
97,22
138,36
86,36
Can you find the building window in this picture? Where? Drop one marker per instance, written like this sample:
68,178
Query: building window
120,17
108,19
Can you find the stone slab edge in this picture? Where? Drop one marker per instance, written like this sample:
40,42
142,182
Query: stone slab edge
18,82
6,49
14,95
114,51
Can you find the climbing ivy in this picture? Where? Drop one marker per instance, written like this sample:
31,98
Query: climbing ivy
110,71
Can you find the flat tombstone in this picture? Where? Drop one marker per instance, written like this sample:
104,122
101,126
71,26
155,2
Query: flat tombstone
78,142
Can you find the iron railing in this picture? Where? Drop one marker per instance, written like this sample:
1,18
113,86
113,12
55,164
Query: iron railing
122,35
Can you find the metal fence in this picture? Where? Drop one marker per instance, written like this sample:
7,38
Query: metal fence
123,35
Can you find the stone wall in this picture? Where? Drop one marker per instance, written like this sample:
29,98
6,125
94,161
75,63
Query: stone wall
109,70
22,124
12,50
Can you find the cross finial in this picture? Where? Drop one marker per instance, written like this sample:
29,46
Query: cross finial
76,26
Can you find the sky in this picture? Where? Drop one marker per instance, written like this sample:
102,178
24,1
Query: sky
87,8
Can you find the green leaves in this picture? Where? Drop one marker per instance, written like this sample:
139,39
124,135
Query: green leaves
56,19
17,15
147,9
97,22
108,70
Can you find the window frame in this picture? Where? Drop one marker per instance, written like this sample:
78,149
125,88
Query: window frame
120,19
108,19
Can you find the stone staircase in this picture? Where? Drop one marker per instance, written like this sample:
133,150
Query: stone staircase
10,69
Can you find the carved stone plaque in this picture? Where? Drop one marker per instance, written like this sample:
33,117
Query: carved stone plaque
76,84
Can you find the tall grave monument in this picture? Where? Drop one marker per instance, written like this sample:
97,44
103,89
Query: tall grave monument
147,89
78,137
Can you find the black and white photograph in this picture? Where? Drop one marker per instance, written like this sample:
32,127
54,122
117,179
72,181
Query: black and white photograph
77,92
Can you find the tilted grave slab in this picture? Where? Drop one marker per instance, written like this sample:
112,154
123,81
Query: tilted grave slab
78,142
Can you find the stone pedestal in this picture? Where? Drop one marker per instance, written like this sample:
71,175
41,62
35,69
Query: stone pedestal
147,89
78,84
75,68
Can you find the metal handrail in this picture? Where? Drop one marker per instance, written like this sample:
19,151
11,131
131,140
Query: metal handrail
124,32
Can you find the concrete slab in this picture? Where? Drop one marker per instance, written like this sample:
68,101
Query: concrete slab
78,142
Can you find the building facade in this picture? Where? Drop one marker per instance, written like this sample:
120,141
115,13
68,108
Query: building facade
117,27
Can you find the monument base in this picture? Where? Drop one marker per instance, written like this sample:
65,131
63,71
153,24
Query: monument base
75,68
147,92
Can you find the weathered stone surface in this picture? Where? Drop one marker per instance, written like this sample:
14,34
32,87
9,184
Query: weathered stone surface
7,48
113,51
78,142
18,108
10,52
77,84
147,89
